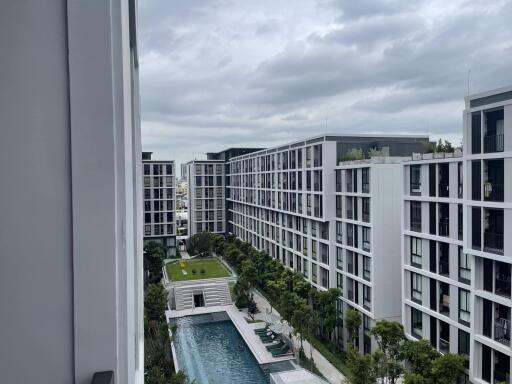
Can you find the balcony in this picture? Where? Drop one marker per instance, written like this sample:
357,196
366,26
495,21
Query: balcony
502,331
493,143
415,189
366,187
493,191
416,225
493,242
366,217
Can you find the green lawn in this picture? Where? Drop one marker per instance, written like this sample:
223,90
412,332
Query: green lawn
212,268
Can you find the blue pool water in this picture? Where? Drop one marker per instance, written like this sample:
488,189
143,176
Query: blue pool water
214,352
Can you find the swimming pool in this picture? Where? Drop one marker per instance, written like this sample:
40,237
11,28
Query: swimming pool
210,350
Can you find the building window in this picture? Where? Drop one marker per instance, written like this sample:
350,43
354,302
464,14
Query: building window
147,169
415,216
366,209
366,239
366,268
464,306
147,230
339,281
339,258
416,288
147,181
415,180
416,323
339,232
367,297
168,169
464,267
416,252
464,344
365,179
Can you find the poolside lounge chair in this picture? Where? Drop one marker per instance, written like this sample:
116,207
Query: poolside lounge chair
284,350
261,331
277,345
268,338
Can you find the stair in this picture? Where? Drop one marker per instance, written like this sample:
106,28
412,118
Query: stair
217,294
214,294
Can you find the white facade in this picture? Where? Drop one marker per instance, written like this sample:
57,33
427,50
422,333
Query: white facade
284,201
206,196
463,271
367,236
71,215
159,181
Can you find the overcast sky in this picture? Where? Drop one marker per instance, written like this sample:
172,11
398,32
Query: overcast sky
222,73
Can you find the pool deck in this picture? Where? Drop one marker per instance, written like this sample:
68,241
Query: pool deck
245,329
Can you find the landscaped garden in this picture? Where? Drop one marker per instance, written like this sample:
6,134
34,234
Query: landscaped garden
196,269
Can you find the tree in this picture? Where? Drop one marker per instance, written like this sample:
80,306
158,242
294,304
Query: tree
419,354
415,378
353,154
300,321
373,152
448,369
389,336
360,369
201,244
154,254
155,302
440,147
353,323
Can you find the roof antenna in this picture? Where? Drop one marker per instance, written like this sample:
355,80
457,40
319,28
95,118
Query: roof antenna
469,76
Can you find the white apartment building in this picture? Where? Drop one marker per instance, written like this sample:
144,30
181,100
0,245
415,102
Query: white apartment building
71,197
457,280
367,242
283,200
436,271
206,196
159,182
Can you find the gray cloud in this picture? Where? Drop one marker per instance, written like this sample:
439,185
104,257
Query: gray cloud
217,73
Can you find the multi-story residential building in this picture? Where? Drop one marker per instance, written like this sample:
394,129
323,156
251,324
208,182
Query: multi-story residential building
367,242
206,196
283,201
207,192
71,197
436,271
457,259
159,181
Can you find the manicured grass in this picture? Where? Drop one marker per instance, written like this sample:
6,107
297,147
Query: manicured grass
212,268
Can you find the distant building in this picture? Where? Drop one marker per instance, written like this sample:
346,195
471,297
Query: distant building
159,183
207,192
183,175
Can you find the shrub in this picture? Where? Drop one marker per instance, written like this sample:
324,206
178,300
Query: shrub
202,271
194,271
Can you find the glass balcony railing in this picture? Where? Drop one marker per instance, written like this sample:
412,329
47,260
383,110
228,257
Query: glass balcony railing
493,242
502,331
493,143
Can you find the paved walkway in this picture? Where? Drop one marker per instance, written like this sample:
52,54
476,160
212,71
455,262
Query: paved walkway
328,370
184,255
